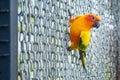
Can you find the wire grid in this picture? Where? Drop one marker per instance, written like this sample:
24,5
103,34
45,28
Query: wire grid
43,39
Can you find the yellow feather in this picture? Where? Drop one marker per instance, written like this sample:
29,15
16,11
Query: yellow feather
85,36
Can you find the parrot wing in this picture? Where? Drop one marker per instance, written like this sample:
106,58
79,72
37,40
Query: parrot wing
84,40
83,44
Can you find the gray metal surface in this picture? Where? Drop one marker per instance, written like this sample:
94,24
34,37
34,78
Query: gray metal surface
43,39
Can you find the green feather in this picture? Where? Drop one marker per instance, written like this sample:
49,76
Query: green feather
82,46
83,60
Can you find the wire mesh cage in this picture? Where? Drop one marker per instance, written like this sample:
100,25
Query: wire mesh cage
43,39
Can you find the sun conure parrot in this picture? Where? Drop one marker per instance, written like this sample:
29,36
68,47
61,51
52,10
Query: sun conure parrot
80,33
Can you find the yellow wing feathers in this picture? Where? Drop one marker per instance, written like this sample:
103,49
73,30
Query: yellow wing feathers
85,36
85,39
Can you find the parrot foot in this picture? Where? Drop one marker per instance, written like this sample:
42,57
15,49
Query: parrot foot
69,49
80,57
81,54
85,54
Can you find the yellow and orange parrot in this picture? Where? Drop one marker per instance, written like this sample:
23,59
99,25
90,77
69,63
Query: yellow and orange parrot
80,33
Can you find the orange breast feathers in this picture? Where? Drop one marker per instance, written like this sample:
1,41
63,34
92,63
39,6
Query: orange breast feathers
74,39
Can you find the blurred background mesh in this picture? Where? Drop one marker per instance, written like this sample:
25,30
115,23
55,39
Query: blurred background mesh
43,39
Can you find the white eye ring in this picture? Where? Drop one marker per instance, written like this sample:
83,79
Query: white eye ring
93,18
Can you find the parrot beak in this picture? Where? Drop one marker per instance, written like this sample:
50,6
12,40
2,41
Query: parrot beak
96,25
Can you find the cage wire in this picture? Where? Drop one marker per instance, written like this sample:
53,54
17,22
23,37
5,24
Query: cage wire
43,39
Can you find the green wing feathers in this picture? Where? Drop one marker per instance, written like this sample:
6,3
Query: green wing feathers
83,44
84,40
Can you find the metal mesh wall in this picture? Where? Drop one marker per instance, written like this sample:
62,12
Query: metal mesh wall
43,39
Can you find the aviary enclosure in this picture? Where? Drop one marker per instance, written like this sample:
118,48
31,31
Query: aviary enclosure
43,40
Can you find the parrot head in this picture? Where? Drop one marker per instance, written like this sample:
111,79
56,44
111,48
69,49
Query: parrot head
92,20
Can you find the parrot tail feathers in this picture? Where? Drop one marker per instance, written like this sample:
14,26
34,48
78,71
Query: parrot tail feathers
83,59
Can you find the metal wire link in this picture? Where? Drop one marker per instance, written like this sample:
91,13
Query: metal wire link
43,39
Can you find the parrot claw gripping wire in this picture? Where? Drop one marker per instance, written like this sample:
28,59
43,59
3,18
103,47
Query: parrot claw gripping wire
69,48
69,13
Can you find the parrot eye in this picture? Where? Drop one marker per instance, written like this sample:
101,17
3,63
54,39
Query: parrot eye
93,18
